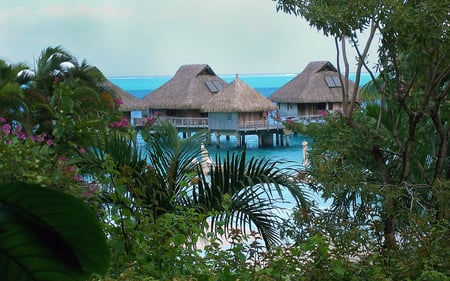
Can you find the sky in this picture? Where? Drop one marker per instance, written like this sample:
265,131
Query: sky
156,37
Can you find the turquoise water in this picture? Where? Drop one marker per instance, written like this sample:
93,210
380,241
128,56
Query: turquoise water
266,84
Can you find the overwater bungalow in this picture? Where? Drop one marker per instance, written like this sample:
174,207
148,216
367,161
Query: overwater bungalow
130,106
240,110
179,100
316,90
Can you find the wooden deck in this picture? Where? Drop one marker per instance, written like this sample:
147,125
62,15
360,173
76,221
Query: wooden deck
264,129
202,123
256,126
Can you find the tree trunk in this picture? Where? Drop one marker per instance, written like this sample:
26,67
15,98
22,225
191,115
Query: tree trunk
389,205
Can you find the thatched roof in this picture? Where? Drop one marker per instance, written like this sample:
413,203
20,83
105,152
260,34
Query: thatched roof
130,102
238,97
318,82
190,88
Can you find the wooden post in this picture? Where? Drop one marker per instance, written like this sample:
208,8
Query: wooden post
208,137
217,140
287,132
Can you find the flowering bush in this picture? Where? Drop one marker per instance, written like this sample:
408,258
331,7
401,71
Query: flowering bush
35,159
150,120
120,124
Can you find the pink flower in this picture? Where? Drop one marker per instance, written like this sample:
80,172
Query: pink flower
92,189
62,158
21,135
82,150
323,113
149,121
78,178
120,124
6,128
2,119
118,101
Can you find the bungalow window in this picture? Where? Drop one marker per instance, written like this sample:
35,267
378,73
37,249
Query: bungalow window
321,106
330,106
333,81
290,106
229,116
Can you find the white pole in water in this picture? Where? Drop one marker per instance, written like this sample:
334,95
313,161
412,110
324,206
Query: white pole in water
305,162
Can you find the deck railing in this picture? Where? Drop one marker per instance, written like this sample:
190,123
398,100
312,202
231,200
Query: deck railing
306,119
202,122
178,122
258,125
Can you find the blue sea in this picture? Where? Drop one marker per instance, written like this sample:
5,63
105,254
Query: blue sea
266,84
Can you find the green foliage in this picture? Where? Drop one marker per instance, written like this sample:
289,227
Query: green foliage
48,235
60,98
383,166
333,18
245,192
163,249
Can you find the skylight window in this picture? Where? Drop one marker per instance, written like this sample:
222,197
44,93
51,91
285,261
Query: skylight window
214,86
218,85
333,81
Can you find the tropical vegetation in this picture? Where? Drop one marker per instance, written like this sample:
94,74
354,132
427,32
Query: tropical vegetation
81,198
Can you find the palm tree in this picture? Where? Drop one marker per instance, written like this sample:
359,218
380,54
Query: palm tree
11,95
245,194
63,98
238,193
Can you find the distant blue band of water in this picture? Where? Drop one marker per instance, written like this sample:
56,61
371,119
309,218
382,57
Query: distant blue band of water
266,84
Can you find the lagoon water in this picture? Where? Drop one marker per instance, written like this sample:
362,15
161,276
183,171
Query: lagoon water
266,84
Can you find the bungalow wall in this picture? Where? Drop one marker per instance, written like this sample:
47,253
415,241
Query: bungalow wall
223,121
250,119
314,109
307,109
287,109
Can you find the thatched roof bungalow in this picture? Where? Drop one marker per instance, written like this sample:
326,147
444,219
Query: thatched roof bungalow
184,94
316,89
237,106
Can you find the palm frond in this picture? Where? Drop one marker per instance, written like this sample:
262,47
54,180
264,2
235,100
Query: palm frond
244,194
172,158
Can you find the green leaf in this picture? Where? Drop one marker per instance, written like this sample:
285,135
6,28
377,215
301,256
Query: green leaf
48,235
67,104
